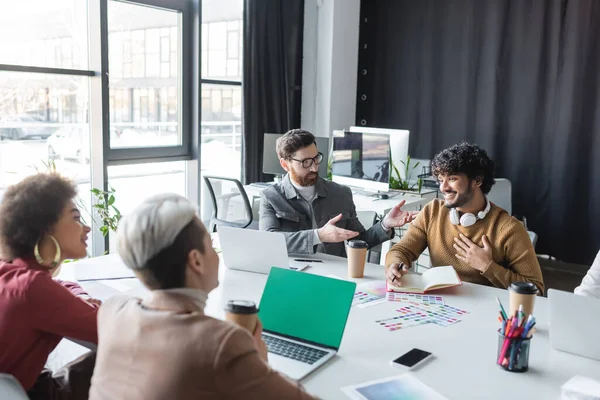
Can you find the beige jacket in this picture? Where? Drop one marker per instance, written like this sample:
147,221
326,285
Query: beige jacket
146,354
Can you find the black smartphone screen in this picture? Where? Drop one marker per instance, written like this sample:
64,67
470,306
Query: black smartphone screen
412,357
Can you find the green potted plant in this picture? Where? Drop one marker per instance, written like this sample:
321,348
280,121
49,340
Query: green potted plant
396,181
104,204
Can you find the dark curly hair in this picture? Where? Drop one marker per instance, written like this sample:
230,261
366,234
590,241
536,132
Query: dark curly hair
466,158
292,141
28,210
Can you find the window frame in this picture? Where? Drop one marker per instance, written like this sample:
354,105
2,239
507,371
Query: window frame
120,156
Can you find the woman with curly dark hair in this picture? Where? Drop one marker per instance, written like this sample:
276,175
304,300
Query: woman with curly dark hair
40,227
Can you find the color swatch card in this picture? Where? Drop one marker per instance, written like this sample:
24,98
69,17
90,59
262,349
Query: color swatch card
442,315
376,288
369,293
446,309
363,299
403,321
415,298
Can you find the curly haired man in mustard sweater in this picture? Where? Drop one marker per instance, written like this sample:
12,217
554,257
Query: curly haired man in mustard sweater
481,240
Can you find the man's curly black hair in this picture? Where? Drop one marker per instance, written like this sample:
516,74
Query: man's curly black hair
466,158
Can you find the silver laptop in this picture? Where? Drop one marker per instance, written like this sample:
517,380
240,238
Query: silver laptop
574,323
251,250
304,317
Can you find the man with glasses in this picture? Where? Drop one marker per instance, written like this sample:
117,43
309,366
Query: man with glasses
315,214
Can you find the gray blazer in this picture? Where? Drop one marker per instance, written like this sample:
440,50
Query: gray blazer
282,209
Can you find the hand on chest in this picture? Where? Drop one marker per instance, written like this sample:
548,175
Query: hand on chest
471,247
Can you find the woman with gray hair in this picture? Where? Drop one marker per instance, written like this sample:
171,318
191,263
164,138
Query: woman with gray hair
165,347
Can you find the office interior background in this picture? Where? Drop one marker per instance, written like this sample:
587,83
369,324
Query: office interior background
148,96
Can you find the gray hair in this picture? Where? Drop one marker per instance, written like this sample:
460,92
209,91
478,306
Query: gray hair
152,227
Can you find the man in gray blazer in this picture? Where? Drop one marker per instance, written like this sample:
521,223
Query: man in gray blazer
315,214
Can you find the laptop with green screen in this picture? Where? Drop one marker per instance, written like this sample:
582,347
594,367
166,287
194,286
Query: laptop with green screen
303,317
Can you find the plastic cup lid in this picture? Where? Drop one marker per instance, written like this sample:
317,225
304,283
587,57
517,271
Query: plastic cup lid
357,244
523,288
241,307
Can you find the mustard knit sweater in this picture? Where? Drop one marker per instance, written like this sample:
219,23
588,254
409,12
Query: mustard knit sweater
513,256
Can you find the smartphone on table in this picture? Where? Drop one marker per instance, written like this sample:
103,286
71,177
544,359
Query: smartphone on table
412,359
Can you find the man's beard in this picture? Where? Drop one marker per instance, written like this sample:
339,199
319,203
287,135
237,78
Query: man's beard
309,180
459,200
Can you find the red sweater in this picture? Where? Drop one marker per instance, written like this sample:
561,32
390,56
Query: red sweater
36,312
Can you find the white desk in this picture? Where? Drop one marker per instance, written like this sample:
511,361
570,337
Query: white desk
464,364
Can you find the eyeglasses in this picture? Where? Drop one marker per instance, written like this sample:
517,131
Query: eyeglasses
308,162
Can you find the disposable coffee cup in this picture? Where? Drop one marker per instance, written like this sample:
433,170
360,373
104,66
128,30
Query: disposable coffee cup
522,293
242,312
357,257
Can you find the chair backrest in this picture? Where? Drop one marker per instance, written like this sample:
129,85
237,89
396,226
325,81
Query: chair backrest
533,236
231,206
368,219
11,389
501,194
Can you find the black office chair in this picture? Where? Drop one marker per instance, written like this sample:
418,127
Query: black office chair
231,206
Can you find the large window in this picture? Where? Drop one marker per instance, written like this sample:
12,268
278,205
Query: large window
44,117
44,33
105,92
221,91
100,100
144,63
43,125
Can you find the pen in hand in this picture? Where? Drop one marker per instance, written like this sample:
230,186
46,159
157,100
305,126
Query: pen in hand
399,267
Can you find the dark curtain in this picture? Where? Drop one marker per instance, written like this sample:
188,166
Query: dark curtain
272,77
520,78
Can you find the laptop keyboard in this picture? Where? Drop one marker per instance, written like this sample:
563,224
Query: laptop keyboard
295,351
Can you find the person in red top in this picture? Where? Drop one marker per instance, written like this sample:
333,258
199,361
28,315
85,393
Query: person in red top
40,227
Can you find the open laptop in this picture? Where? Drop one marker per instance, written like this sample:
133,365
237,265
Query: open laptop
303,317
574,323
251,250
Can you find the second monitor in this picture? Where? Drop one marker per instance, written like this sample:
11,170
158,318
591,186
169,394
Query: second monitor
361,159
271,160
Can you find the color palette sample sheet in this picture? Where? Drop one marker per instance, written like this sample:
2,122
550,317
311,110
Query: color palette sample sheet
439,314
403,321
369,293
415,298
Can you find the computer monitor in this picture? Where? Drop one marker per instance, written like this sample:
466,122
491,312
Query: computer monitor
361,159
398,145
271,160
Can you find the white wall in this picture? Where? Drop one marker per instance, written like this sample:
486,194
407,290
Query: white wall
330,64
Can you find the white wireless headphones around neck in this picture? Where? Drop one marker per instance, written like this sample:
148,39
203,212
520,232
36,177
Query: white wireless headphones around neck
468,219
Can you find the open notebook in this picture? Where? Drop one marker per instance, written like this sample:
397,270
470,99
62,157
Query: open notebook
433,279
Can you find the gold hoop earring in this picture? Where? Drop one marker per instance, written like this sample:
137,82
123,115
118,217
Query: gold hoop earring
40,260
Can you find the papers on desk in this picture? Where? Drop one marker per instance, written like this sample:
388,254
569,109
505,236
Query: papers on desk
580,388
420,314
104,267
415,298
403,387
369,294
443,315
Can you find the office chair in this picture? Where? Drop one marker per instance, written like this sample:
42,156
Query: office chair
368,219
11,389
231,206
501,195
